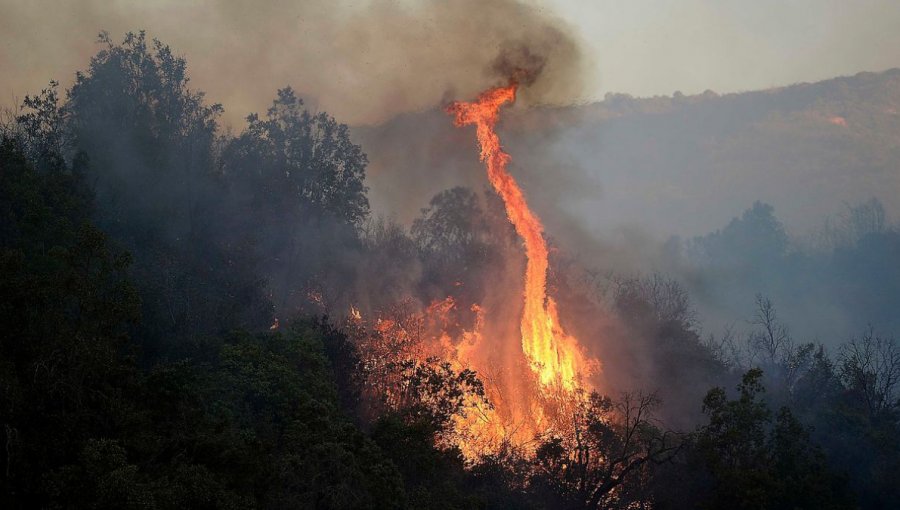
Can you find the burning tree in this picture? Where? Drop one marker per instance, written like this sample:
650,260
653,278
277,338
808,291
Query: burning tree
608,450
404,374
428,364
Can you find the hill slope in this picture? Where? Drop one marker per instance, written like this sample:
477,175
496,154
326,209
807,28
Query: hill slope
668,165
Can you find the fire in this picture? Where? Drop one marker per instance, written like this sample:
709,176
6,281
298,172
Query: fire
533,380
555,356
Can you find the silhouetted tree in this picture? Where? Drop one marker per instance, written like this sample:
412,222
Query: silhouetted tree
612,445
150,139
739,459
297,179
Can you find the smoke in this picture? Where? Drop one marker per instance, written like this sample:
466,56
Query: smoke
416,57
519,64
362,64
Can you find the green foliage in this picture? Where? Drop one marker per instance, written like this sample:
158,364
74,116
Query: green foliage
433,477
849,401
749,462
149,136
752,239
41,128
296,181
434,392
252,421
151,144
65,307
258,425
462,240
297,159
278,395
452,226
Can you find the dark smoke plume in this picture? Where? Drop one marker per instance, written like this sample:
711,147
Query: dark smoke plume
519,64
361,63
415,57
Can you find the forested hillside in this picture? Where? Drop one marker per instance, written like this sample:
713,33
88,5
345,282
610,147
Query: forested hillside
628,183
671,165
194,318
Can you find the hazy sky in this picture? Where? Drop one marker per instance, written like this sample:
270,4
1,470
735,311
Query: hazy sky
240,52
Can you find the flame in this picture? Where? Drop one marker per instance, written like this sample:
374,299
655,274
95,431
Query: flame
513,411
526,395
555,356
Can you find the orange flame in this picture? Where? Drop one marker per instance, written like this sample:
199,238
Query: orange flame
555,356
523,400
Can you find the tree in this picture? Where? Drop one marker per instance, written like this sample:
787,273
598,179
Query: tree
41,129
610,448
869,366
751,240
452,227
298,181
300,163
770,346
148,135
389,264
660,319
65,309
403,377
461,241
740,460
854,223
150,139
657,297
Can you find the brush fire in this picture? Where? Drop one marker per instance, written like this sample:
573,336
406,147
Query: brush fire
516,401
448,254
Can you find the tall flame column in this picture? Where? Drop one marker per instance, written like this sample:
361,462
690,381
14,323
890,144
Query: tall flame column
555,356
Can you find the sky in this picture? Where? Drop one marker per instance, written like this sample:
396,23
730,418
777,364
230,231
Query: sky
650,47
337,52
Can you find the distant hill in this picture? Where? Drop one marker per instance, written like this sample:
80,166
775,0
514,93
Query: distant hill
665,165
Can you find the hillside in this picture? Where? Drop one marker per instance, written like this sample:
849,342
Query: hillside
667,165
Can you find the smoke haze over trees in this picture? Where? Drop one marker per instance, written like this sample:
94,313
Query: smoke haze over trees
200,318
631,184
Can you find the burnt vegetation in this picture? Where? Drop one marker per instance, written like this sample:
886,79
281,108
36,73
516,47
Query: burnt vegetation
174,304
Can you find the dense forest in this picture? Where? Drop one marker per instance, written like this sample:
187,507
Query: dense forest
189,322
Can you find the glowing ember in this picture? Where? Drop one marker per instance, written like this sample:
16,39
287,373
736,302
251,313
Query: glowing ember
555,356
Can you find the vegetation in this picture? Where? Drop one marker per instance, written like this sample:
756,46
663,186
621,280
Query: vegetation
164,290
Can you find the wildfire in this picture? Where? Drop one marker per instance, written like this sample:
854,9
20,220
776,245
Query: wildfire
533,381
555,356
